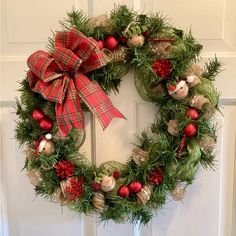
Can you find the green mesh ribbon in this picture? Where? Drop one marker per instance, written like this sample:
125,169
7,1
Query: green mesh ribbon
206,88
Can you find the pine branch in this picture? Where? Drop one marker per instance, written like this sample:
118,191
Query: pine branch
212,69
121,16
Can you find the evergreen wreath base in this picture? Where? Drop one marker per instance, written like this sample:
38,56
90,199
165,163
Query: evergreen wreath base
165,157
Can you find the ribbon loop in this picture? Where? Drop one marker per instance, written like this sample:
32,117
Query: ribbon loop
50,76
41,64
66,59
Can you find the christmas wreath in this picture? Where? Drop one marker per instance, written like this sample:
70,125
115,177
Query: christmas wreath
84,62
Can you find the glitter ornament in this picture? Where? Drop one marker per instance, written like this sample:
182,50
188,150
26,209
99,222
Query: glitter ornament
162,68
156,176
64,169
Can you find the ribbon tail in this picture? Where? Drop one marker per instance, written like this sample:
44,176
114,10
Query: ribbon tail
96,100
69,113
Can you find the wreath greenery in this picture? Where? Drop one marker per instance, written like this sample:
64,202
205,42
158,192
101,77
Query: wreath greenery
165,160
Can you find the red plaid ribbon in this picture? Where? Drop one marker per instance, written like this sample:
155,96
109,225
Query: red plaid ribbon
59,77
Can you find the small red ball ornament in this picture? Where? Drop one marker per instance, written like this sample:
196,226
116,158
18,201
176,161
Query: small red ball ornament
192,114
190,130
37,114
162,68
111,42
135,186
123,191
96,186
156,176
100,44
45,124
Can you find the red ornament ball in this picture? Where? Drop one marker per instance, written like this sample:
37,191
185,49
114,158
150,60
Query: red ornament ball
156,176
46,124
135,186
96,186
64,169
192,114
162,68
111,42
37,114
123,191
100,44
190,130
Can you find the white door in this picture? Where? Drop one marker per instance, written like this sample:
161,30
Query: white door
209,208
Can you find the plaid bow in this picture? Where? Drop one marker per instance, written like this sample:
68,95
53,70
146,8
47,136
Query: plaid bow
59,77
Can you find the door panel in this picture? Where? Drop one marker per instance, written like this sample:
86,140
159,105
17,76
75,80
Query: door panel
209,206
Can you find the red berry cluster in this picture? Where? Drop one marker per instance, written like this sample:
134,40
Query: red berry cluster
156,176
75,188
44,122
64,169
162,68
